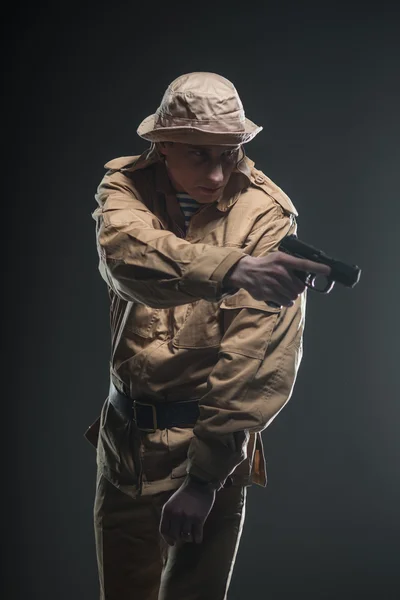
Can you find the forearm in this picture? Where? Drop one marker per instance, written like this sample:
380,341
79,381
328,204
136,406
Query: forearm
158,269
245,391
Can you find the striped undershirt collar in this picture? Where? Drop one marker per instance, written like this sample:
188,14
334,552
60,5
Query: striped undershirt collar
188,206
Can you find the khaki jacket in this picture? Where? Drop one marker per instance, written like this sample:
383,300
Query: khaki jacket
178,333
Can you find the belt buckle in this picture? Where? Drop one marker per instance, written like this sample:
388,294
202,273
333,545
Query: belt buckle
154,413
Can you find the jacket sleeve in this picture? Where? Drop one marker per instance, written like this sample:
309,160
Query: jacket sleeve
254,377
143,262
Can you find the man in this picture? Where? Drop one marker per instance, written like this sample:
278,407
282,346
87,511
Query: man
207,319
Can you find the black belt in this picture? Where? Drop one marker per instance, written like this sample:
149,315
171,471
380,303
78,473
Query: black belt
150,416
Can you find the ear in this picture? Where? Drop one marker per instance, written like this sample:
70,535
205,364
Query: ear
163,147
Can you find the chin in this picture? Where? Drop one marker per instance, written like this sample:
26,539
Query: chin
205,196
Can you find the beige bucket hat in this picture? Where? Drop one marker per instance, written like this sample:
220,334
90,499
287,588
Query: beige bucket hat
202,108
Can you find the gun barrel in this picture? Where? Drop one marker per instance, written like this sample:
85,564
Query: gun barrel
343,273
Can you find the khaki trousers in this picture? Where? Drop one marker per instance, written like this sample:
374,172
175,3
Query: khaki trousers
135,563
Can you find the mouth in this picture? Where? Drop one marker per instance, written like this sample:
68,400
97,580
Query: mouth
210,191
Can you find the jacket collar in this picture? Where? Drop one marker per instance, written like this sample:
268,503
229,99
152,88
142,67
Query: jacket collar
239,180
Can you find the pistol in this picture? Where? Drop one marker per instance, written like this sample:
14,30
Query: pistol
341,272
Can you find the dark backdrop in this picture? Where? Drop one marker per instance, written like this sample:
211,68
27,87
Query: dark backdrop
323,80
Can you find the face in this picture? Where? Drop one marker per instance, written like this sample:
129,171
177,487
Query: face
200,171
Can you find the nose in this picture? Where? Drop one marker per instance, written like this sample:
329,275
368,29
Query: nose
215,176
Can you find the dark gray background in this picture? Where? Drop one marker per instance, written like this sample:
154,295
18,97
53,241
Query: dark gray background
324,83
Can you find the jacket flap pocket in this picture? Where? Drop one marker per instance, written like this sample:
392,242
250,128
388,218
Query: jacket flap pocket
143,320
242,299
201,328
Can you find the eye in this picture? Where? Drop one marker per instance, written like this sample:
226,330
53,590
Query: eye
198,153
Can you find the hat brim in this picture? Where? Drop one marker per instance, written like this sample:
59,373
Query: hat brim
187,135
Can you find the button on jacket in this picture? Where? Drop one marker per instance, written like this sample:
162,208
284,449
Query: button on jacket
178,332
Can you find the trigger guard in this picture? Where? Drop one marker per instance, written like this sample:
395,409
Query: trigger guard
329,286
310,282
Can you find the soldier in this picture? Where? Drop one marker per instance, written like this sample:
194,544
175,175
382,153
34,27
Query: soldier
201,360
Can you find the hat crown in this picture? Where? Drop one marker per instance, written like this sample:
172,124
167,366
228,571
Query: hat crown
199,108
201,97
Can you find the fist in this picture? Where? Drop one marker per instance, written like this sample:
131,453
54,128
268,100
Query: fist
184,514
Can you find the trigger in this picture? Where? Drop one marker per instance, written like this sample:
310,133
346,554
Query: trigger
310,280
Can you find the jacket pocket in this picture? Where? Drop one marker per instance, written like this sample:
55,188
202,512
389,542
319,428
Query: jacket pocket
248,324
118,450
242,299
143,320
202,327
